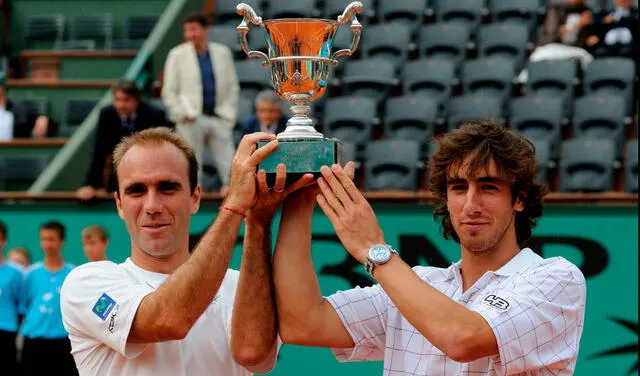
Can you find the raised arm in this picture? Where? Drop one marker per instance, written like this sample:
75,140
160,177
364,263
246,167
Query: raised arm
305,317
169,312
254,323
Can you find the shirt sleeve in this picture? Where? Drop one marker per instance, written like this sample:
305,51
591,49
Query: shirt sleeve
99,301
538,321
25,298
363,312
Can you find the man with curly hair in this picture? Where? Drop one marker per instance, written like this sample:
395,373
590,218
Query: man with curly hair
501,310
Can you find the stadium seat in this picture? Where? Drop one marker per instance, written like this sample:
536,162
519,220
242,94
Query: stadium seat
487,76
543,160
124,44
350,152
517,11
600,117
587,165
292,9
21,171
612,76
92,27
350,119
554,78
538,118
388,42
506,40
225,12
392,164
467,12
430,78
228,36
444,41
631,167
370,78
45,27
253,77
411,118
406,12
139,27
76,110
471,107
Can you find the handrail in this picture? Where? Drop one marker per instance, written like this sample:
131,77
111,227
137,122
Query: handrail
418,197
30,54
33,142
22,82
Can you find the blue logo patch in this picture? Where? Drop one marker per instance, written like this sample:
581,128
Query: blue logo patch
103,306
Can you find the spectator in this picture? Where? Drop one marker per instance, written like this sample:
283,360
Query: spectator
95,241
10,284
47,350
564,20
128,114
269,117
614,32
19,121
19,257
201,93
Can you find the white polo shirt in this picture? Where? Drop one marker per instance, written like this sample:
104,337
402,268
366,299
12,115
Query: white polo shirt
535,307
99,301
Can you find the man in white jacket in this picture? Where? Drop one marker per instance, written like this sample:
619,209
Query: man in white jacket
201,93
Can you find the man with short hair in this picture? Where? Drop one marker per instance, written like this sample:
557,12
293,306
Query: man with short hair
164,310
269,117
128,114
500,310
10,284
17,120
47,349
201,92
95,241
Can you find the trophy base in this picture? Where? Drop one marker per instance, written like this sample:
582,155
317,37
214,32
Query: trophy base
301,156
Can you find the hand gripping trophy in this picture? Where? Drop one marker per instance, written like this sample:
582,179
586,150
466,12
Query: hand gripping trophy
299,53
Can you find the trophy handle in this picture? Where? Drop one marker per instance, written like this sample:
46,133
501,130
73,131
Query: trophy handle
356,27
249,17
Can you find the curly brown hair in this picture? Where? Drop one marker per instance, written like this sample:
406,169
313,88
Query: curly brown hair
514,158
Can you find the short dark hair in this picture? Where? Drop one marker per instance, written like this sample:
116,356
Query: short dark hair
157,136
198,18
128,87
55,226
513,155
3,229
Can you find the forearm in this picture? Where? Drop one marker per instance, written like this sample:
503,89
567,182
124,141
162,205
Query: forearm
298,294
176,305
460,333
253,328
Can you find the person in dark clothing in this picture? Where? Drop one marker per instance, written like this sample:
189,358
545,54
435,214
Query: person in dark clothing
614,32
127,115
269,117
17,120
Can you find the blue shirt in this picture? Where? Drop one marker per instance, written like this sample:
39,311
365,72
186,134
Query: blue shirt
10,285
40,302
208,82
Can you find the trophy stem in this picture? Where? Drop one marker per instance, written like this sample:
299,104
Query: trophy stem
300,126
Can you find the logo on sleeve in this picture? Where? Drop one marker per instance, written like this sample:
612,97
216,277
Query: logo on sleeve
103,306
496,302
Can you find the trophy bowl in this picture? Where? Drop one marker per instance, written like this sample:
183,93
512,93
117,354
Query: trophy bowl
300,54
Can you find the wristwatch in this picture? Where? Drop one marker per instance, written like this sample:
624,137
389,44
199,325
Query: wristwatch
378,254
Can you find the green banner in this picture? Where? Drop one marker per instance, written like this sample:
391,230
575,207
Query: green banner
601,240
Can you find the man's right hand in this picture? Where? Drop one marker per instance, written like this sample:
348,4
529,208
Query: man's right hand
242,189
86,193
188,120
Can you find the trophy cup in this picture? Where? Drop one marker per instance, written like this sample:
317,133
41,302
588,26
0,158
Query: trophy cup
299,53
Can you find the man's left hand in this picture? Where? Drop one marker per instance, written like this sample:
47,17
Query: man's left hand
270,198
41,127
351,215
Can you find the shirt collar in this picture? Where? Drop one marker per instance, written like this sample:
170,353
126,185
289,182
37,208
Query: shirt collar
518,263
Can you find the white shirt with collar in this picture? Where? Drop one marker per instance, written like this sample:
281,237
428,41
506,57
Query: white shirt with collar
6,125
99,301
535,307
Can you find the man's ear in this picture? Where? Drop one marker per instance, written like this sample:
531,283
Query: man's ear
520,203
116,196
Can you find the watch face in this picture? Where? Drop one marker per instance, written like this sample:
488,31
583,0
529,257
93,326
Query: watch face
379,254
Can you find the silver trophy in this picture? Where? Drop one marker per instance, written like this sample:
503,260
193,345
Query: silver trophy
299,53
